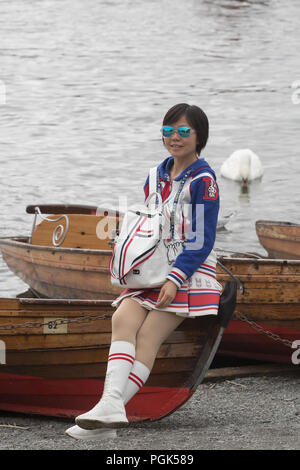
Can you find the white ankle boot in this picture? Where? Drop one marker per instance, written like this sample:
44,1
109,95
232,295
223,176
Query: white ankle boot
110,410
137,378
92,434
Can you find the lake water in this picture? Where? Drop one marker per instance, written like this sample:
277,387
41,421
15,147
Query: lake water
84,87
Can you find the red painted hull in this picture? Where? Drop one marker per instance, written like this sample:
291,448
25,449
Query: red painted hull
241,340
71,397
62,373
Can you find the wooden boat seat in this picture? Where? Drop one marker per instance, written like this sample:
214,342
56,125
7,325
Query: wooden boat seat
85,231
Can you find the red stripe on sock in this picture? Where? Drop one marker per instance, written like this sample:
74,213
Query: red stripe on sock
122,354
137,378
121,358
133,380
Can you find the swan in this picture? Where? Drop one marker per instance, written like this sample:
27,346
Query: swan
224,220
242,165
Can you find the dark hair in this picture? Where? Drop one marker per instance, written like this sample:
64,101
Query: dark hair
196,118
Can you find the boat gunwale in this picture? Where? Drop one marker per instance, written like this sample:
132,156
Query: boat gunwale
268,261
276,222
12,241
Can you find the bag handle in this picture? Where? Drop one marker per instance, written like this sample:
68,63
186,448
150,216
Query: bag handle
154,187
158,200
153,175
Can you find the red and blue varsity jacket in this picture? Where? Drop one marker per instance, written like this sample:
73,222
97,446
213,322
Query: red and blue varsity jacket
197,190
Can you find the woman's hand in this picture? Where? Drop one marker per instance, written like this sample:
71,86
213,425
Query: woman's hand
166,295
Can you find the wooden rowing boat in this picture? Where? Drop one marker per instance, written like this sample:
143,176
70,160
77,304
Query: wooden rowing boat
266,321
76,269
271,295
280,239
56,353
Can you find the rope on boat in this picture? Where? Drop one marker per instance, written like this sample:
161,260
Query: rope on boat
239,282
260,329
52,323
251,255
251,323
87,318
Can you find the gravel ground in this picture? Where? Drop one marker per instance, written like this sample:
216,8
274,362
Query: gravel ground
243,414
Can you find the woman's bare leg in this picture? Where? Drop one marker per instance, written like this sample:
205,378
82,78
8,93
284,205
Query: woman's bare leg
127,320
155,329
110,410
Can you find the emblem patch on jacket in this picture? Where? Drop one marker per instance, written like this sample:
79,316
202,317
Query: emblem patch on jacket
211,189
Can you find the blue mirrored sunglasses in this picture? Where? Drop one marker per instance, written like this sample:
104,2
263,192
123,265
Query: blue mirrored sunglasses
183,131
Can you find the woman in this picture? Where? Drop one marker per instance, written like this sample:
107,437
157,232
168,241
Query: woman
144,319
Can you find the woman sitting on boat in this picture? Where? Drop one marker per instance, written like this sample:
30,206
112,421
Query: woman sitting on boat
145,318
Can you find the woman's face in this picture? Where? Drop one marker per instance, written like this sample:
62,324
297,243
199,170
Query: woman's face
182,148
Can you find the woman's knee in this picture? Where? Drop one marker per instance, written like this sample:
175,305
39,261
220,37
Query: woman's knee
127,319
154,331
146,349
147,342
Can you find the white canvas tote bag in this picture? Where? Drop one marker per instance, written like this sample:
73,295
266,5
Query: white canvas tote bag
139,258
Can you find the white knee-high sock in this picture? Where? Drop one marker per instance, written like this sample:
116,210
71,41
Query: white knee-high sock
136,380
110,409
120,362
